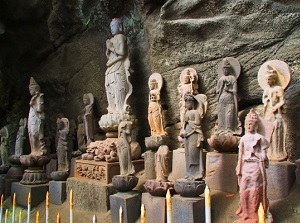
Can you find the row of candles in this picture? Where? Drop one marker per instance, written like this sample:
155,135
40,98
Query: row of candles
37,218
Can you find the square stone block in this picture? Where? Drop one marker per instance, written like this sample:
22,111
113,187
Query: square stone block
179,163
188,209
5,185
89,195
280,178
38,193
102,171
130,203
155,207
220,172
57,192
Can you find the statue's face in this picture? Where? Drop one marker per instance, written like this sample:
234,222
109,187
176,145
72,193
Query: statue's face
153,85
271,80
86,101
186,78
250,127
32,90
60,124
226,71
115,28
189,104
21,123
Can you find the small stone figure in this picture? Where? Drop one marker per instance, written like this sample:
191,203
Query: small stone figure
80,134
20,137
4,148
188,84
124,151
88,100
162,163
117,84
36,120
196,106
155,116
251,170
227,100
274,100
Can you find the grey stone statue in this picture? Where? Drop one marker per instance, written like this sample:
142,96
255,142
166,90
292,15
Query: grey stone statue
4,147
117,84
88,100
162,163
20,137
62,145
36,120
123,147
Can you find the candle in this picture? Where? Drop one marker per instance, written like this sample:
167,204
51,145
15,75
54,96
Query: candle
207,205
1,211
47,207
37,217
94,219
169,206
71,206
120,215
261,214
143,214
58,218
6,216
20,216
28,207
14,208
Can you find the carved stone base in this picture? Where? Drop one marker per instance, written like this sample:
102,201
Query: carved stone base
225,142
59,175
188,188
34,176
110,122
102,171
156,210
124,183
4,169
156,188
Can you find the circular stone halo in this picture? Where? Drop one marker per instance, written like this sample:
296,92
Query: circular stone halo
283,71
235,64
193,73
158,78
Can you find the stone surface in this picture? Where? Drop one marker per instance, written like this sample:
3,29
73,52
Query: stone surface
5,185
280,178
149,157
38,193
156,210
220,172
188,210
102,171
297,171
130,203
90,195
124,183
179,162
57,192
189,188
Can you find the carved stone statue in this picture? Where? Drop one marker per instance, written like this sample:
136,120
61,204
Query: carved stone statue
124,151
162,163
36,120
117,84
188,84
20,137
4,147
251,170
88,100
196,106
277,77
80,134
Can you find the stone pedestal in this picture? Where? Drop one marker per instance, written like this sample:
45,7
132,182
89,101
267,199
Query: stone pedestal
38,193
220,172
149,157
102,171
155,207
57,192
280,178
130,203
51,167
179,164
298,171
73,166
188,210
90,195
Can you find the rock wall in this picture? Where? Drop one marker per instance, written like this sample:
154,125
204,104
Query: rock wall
62,44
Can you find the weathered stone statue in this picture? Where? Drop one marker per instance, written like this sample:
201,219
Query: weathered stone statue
88,100
155,116
80,134
162,163
196,106
124,151
117,84
36,120
4,148
20,137
276,80
228,126
251,170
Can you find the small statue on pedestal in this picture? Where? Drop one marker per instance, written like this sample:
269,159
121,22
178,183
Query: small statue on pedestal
274,77
4,150
20,137
251,170
228,125
88,100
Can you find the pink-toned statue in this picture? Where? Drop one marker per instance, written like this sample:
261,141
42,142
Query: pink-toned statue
274,83
88,101
251,171
155,116
117,84
36,120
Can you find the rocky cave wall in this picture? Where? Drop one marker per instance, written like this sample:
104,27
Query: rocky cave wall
62,45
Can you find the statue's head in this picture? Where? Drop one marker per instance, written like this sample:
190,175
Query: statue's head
153,84
251,122
271,75
86,99
226,67
34,88
125,126
116,26
21,122
62,123
186,77
79,119
189,101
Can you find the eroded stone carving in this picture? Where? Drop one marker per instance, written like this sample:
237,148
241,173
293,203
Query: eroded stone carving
88,101
20,137
4,149
274,77
162,163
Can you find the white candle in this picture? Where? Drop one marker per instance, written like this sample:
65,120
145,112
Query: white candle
58,218
71,206
37,217
28,207
20,216
169,206
120,215
261,214
94,219
207,205
6,216
47,207
14,209
143,214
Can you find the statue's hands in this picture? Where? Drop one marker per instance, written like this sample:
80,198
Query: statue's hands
274,108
